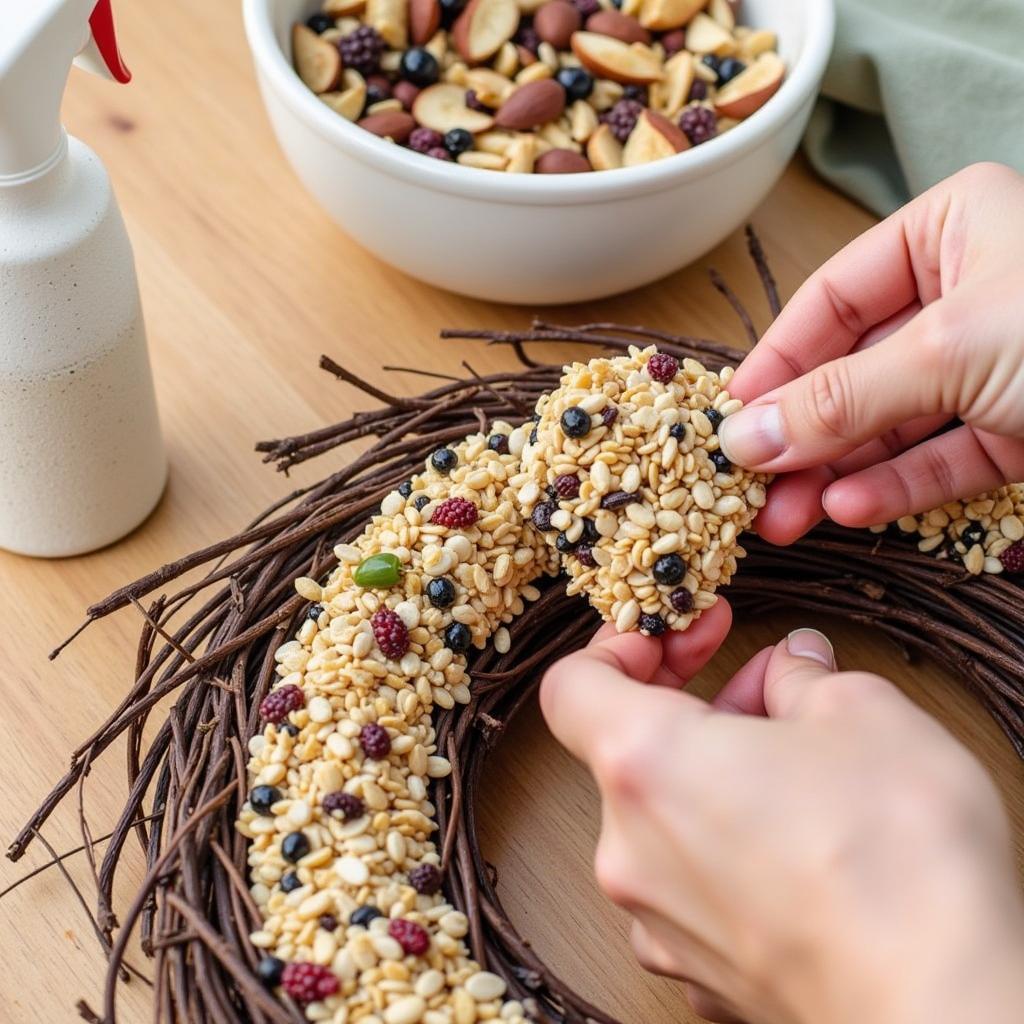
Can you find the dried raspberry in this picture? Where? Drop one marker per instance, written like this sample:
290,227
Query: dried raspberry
423,140
586,7
527,38
699,124
413,938
609,415
542,514
662,367
361,50
308,983
348,804
622,118
567,485
439,153
1013,557
455,513
585,554
375,741
652,625
276,705
681,600
425,879
390,633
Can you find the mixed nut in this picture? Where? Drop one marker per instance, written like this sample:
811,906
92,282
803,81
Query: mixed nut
544,86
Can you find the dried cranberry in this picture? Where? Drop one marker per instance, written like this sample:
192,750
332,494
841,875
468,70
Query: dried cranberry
681,600
390,633
412,937
609,415
308,983
375,741
277,705
425,879
585,554
1013,558
455,514
662,367
348,804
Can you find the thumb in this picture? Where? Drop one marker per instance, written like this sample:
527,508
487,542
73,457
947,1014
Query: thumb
799,665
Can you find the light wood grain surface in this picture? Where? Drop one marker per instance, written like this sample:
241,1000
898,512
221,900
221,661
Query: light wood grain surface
245,282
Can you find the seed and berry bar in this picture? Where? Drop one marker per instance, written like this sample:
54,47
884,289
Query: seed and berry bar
543,86
624,477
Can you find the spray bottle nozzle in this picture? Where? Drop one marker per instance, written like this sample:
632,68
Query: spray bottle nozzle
102,24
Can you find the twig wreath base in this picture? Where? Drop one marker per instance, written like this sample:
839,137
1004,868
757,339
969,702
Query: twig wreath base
210,644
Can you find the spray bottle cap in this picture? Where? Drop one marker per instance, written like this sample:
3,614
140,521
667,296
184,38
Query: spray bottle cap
39,41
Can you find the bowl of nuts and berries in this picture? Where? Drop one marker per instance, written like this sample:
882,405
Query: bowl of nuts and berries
539,151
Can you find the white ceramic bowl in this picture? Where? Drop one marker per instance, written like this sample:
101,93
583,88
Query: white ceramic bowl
536,238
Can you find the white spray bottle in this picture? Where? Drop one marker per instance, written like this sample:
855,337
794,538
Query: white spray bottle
82,462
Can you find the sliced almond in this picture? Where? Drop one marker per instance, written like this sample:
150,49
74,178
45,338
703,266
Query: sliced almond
443,107
424,19
396,125
507,61
704,35
484,27
663,15
618,26
582,121
391,19
633,64
604,151
342,8
532,105
317,62
521,155
348,102
722,12
752,87
757,42
491,88
653,138
670,95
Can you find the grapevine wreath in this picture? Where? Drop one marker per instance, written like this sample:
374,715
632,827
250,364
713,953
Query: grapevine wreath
203,797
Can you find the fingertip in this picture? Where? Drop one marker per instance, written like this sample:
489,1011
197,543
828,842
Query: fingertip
687,652
854,502
634,654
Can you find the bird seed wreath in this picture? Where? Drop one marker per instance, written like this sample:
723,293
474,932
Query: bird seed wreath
211,644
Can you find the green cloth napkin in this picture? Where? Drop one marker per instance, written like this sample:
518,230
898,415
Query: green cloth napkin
915,90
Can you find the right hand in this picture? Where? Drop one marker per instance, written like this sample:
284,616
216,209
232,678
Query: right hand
916,323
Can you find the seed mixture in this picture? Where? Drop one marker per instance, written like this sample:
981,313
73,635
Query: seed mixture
624,478
985,533
343,866
544,86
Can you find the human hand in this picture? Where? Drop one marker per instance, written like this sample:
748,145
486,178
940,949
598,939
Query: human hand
911,325
829,853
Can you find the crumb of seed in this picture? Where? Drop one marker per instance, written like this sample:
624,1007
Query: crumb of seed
658,512
984,534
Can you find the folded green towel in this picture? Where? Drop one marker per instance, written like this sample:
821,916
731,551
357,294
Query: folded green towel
915,90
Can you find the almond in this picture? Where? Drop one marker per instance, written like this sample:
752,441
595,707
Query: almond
633,64
752,87
555,23
561,161
705,35
670,95
392,124
317,61
443,107
424,19
532,105
604,151
663,15
618,26
757,42
484,27
723,12
349,102
653,138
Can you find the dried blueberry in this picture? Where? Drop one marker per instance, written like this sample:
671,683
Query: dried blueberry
405,489
575,422
270,968
720,462
290,882
295,846
635,92
681,600
669,569
677,430
585,556
564,545
498,443
578,83
291,728
315,611
728,69
652,625
328,922
973,533
363,915
590,534
262,798
698,90
450,10
444,460
714,418
457,637
533,436
542,514
457,141
711,61
378,88
419,66
320,23
420,502
441,592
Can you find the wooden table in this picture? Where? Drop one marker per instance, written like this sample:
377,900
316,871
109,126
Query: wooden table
245,282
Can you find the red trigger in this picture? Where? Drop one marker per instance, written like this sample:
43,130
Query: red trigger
102,24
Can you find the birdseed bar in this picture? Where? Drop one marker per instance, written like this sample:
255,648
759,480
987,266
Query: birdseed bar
624,477
343,866
985,533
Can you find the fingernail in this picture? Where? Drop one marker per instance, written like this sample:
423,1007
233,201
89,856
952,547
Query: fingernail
810,643
752,436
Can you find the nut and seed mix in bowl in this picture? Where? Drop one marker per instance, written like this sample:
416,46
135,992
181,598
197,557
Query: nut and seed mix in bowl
542,86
